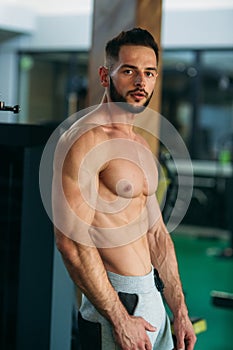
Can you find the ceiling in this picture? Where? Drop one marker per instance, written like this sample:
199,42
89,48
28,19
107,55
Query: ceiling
79,6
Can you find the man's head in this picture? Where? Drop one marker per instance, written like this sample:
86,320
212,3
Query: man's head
133,37
130,70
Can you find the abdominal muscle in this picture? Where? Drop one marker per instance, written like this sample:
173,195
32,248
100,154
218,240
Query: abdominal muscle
128,252
132,259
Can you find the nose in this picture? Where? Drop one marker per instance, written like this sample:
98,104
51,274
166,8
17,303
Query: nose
139,79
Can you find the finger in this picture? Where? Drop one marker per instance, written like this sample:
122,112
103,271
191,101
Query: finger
190,344
148,346
180,345
149,327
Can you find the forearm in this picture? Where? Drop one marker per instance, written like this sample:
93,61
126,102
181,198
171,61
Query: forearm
87,271
163,258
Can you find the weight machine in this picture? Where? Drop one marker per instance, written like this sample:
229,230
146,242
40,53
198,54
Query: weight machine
15,109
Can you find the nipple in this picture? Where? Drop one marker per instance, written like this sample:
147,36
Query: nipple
127,188
124,188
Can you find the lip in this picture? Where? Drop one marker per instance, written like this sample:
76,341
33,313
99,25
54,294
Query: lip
138,95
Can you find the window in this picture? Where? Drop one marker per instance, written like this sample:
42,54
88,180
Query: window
197,99
52,85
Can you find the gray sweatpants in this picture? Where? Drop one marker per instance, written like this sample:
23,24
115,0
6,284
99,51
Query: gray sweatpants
141,298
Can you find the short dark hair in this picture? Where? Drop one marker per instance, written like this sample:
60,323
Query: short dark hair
135,36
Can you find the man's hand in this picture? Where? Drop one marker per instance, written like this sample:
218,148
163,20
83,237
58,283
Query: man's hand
184,332
132,335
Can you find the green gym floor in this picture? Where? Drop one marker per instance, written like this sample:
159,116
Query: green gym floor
202,272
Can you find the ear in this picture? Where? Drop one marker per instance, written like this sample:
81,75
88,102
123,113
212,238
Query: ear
104,77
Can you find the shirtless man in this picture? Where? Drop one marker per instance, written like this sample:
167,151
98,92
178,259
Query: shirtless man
108,225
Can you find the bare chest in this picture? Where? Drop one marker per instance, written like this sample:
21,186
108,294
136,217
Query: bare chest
131,171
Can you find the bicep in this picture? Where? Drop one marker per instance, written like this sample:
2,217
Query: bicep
73,197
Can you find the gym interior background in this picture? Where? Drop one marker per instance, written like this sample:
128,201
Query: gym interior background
44,53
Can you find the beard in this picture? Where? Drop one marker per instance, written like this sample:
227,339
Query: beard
121,100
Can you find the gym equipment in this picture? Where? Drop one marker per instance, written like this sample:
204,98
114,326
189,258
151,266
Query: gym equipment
15,109
34,313
222,299
168,187
226,156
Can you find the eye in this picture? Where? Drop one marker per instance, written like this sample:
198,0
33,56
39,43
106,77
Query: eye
149,74
128,71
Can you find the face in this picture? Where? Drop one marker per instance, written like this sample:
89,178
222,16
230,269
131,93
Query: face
132,79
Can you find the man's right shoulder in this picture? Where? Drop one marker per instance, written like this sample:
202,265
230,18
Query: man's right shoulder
88,134
81,138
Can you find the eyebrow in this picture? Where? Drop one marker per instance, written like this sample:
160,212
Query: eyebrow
134,67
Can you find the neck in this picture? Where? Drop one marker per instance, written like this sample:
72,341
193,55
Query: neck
120,118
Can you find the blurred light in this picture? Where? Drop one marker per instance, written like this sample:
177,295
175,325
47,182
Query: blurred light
26,62
192,72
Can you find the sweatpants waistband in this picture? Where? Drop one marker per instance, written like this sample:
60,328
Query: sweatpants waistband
132,284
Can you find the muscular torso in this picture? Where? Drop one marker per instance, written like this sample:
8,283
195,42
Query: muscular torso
128,177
